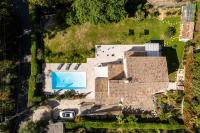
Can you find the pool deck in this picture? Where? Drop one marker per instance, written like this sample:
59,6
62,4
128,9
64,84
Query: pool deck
104,53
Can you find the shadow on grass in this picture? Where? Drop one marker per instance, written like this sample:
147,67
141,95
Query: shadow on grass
172,59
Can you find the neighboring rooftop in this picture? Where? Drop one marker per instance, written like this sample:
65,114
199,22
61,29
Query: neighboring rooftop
55,128
187,23
166,3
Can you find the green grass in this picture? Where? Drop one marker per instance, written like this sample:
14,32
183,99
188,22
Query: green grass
87,35
79,40
115,125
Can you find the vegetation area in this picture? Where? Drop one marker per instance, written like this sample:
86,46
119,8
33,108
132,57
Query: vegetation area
114,125
35,93
77,42
169,106
83,38
192,78
8,65
122,122
32,127
71,95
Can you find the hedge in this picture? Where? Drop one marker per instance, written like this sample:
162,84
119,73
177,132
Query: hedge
34,72
115,125
31,90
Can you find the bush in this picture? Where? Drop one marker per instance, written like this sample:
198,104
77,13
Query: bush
146,32
70,94
171,31
31,127
131,119
40,54
131,32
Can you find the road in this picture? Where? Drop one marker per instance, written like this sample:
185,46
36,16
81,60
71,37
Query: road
21,13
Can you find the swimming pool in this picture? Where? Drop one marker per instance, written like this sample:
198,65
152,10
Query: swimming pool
68,80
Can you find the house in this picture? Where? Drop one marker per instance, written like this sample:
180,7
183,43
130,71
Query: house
133,81
187,23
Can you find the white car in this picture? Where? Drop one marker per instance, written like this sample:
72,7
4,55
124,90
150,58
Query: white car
65,114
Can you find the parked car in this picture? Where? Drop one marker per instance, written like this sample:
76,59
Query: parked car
60,66
66,114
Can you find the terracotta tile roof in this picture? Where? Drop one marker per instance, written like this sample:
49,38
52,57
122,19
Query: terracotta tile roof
187,29
101,90
116,71
148,75
147,69
138,95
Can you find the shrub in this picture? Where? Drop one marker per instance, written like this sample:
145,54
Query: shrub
131,119
131,32
31,127
140,15
40,54
171,31
146,32
78,119
70,94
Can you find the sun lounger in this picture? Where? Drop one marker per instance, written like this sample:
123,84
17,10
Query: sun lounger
68,66
60,66
77,66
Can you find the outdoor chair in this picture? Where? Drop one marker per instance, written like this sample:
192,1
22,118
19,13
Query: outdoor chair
68,66
60,66
77,66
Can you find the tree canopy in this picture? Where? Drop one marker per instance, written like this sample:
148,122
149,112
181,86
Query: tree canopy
31,127
96,11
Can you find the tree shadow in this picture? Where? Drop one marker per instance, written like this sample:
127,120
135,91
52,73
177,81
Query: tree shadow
172,58
51,103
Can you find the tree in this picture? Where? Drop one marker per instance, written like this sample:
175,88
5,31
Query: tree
48,3
170,32
140,14
96,11
31,127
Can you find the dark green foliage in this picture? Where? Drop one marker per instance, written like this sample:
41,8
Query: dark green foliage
170,32
40,54
146,32
140,13
71,94
32,127
169,106
96,11
34,95
131,32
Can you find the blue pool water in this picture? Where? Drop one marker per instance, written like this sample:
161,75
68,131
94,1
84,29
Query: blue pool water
68,80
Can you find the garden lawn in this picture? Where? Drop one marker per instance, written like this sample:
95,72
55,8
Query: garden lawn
79,40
